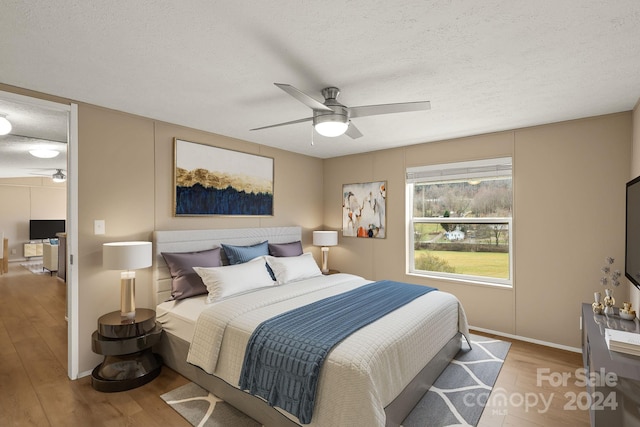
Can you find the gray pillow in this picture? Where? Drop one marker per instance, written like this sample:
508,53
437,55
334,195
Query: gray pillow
285,249
186,282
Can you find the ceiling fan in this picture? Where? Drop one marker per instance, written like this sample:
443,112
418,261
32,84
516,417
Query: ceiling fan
57,176
330,118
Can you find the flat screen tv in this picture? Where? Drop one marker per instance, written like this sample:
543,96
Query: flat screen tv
632,244
45,228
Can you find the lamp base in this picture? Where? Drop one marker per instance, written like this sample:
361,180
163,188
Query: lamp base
325,260
128,294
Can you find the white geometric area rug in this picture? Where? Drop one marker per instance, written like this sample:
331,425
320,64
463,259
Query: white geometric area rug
459,394
203,409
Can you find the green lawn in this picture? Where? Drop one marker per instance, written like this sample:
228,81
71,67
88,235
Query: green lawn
486,264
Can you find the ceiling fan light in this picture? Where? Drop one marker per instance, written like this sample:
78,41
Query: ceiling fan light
5,126
59,176
330,125
44,153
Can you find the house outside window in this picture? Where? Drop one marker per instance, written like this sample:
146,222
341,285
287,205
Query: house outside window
460,221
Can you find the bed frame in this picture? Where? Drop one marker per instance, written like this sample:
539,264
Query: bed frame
174,350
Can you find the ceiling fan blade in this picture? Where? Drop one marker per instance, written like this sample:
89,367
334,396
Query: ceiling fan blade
303,97
353,132
285,123
402,107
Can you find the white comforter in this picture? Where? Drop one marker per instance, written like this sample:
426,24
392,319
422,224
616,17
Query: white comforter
362,374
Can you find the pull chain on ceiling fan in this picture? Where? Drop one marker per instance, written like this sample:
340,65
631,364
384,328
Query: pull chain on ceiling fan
331,118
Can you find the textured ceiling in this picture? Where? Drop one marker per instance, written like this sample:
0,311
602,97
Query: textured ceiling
485,66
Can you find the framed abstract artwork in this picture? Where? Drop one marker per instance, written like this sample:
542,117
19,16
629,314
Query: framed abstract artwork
364,210
215,181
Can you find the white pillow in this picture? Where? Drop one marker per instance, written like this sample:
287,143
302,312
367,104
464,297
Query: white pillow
223,282
289,269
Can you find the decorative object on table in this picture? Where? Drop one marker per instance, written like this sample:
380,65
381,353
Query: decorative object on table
127,256
364,210
609,302
216,181
626,312
610,278
597,304
325,239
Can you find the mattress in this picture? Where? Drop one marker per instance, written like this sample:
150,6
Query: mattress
179,318
362,374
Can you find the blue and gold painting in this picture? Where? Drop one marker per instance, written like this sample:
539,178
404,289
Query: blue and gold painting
216,181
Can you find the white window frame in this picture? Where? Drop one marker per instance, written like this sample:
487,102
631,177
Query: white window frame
454,171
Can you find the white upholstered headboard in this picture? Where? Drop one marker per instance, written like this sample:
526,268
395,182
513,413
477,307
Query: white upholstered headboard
198,240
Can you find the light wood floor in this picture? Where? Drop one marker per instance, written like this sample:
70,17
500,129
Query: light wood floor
35,389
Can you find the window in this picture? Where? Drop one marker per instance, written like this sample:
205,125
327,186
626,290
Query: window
460,217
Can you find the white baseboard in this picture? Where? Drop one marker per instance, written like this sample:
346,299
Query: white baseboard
531,340
84,374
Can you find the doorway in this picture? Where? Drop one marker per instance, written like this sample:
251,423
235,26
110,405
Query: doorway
31,117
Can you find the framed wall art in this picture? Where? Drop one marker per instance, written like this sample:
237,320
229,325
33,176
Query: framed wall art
364,210
215,181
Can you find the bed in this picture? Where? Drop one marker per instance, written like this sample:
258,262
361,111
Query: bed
374,377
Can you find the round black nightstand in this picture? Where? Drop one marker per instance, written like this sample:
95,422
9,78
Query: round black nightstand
126,345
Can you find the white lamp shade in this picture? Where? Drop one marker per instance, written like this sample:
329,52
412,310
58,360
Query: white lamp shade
325,238
331,129
126,255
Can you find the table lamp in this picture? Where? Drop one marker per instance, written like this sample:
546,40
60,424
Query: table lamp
127,256
325,239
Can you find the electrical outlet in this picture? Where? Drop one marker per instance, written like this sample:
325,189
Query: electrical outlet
98,226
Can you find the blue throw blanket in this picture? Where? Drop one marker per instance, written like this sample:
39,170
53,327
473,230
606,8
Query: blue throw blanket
285,353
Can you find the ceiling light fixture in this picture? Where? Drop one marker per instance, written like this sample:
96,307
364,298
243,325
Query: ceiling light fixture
330,125
5,125
59,176
44,153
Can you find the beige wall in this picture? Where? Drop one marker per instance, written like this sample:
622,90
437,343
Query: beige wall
570,213
115,184
568,216
24,199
